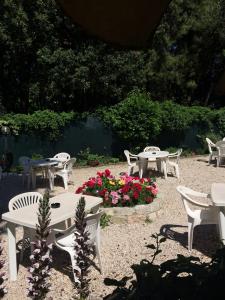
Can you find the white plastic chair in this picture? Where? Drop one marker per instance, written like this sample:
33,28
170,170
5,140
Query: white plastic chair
213,151
221,153
66,240
175,157
24,161
65,173
205,214
18,202
132,161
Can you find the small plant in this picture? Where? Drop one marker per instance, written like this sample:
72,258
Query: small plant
82,251
41,256
36,156
105,220
148,220
3,290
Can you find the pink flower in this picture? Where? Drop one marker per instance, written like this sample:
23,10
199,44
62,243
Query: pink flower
154,191
126,197
114,201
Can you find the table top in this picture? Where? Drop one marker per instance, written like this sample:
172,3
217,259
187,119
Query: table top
27,216
152,154
218,194
44,162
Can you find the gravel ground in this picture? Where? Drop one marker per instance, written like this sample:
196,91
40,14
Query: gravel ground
125,245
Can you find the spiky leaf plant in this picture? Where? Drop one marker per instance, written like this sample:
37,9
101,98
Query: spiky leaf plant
41,256
2,275
82,251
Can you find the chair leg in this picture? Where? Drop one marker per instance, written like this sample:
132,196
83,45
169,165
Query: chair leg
73,262
218,161
177,171
99,257
65,181
129,170
210,158
190,235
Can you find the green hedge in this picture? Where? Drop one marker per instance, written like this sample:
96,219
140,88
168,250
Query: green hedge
138,120
40,122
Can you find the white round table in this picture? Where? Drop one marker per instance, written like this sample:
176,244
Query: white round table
160,155
46,163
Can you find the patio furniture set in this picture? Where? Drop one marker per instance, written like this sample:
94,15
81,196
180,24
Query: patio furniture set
164,160
60,165
23,211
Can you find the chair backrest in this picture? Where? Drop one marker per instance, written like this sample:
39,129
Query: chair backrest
127,154
176,155
68,165
93,226
151,148
185,196
24,161
221,149
63,156
24,199
210,144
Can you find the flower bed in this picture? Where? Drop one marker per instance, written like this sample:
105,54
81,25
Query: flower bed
125,191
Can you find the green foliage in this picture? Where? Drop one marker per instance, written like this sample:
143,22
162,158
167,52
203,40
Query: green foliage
105,220
140,121
136,118
40,122
85,156
47,62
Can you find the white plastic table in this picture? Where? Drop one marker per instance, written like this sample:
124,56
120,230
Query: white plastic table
27,217
42,163
161,155
218,199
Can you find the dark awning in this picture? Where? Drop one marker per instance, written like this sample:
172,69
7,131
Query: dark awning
129,23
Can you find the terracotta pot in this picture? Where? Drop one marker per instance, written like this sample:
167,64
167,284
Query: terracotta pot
93,163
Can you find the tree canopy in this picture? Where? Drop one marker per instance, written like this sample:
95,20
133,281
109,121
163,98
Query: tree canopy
47,62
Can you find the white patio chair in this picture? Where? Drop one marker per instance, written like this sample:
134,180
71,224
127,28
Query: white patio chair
205,214
65,173
24,161
132,161
221,153
173,162
62,157
66,240
18,202
213,151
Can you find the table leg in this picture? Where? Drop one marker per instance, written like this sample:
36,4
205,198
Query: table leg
12,251
143,163
164,168
222,224
51,179
33,178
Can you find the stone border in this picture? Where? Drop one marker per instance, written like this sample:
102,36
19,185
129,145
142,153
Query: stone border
138,213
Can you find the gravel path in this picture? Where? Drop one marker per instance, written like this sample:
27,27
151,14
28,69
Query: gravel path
124,245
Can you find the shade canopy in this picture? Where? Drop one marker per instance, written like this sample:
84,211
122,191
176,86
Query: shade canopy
129,23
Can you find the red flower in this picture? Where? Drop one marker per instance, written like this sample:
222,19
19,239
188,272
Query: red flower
136,195
137,186
107,172
79,190
91,183
100,174
149,199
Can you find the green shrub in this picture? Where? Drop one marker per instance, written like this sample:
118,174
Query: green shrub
105,220
40,122
138,121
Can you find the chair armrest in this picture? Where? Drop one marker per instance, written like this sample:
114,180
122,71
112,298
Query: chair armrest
56,230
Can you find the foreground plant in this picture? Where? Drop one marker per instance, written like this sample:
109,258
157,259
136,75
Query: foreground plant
82,251
2,275
125,191
41,256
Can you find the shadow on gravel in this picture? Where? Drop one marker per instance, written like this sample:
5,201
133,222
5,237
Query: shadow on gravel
182,278
205,238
